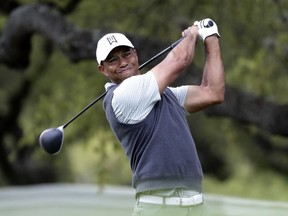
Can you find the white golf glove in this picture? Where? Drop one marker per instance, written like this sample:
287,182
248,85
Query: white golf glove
206,27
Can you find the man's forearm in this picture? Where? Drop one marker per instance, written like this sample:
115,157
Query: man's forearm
213,74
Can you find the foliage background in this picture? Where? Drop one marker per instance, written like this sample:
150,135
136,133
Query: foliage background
254,42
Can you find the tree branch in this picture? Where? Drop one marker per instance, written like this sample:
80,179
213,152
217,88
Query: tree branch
6,6
77,45
251,109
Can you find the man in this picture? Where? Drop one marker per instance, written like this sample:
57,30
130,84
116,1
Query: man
148,117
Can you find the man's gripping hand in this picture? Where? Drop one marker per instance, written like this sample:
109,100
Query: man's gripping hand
207,27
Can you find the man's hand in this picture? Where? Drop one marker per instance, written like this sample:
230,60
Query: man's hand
206,27
192,30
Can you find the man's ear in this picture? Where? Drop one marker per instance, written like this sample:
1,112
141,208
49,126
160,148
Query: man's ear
102,70
136,53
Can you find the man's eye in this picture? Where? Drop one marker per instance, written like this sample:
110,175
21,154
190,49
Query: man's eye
113,59
127,54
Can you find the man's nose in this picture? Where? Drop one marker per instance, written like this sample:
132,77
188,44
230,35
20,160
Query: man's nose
123,61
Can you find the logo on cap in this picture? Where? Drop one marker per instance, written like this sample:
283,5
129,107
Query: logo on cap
111,39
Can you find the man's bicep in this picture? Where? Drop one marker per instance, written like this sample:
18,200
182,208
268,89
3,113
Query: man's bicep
166,72
198,98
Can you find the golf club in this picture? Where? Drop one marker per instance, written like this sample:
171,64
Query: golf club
51,140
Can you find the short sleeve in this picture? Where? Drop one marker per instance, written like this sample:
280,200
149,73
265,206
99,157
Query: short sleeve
135,97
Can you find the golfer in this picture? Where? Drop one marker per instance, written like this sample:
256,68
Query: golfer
149,118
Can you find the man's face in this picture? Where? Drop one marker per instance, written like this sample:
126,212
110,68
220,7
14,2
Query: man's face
121,63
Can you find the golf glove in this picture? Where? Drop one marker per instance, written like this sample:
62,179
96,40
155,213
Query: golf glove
207,27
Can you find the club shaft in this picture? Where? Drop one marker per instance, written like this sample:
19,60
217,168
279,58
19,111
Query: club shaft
87,107
161,53
140,67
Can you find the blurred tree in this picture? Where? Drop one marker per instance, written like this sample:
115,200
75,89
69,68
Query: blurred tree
254,41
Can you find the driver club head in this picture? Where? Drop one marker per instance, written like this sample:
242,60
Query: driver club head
51,140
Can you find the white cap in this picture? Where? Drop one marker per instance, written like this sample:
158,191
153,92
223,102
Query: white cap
108,42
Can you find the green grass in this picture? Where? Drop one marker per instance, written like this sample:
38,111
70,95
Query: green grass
256,185
86,200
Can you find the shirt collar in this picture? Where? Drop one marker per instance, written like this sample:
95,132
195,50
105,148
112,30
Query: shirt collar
108,85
